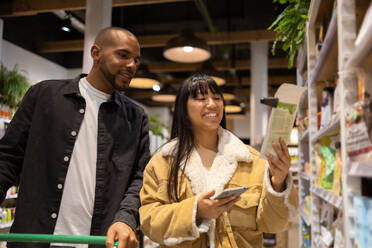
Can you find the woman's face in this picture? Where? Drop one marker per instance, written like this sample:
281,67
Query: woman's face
205,111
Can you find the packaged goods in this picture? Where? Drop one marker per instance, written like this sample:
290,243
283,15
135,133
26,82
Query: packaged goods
327,106
329,168
358,143
337,170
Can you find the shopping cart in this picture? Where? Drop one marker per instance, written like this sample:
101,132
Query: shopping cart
49,238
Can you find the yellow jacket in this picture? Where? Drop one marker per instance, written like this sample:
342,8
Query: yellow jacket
260,208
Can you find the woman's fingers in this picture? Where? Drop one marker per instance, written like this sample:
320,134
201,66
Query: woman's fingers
284,148
274,162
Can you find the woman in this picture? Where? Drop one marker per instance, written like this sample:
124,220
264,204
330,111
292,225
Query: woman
201,160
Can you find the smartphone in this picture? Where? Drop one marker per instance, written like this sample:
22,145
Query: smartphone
230,192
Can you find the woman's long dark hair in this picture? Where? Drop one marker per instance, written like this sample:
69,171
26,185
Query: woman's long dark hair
181,126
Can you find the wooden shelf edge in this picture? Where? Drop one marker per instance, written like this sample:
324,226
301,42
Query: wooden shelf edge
329,41
329,130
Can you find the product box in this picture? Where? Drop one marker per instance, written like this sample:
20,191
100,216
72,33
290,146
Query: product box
360,221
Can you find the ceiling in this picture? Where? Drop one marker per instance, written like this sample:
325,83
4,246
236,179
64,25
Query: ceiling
31,24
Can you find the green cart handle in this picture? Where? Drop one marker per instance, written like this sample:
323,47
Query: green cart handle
49,238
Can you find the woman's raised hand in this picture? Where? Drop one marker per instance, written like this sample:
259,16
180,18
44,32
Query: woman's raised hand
279,166
212,209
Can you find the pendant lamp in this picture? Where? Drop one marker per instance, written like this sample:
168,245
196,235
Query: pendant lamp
167,94
208,69
186,48
144,79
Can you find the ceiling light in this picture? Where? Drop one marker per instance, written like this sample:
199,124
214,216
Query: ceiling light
66,24
186,48
164,98
208,69
66,29
228,96
156,87
232,109
167,94
144,79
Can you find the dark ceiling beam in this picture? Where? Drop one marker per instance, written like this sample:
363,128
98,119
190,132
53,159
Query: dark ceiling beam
273,80
33,7
274,63
219,38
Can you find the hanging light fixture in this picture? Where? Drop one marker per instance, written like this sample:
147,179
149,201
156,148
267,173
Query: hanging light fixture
232,109
187,48
208,69
144,79
167,94
66,24
228,96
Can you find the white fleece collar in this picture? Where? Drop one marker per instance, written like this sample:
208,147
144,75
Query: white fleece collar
231,150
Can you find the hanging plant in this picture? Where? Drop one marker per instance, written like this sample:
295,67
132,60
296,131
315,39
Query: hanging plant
290,27
13,86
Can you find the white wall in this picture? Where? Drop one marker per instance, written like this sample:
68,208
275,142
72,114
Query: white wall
32,66
72,73
242,126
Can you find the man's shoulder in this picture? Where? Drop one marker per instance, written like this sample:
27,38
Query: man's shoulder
52,84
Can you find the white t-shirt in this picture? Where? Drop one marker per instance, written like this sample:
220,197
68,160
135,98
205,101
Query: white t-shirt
76,210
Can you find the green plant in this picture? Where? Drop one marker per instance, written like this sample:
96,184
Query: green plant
290,27
13,86
157,126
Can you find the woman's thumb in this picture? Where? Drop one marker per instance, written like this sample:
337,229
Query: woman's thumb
209,194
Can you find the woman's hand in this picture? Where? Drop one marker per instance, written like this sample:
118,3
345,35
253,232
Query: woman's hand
212,209
279,166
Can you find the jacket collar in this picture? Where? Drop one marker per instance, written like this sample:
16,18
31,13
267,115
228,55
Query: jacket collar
231,150
72,88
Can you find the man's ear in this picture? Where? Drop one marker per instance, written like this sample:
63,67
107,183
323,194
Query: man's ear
95,52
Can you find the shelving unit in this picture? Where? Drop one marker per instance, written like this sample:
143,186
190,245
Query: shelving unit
339,56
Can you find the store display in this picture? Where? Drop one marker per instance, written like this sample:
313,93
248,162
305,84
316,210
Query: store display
358,144
345,117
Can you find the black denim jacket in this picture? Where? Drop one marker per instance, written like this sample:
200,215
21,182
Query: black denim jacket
37,147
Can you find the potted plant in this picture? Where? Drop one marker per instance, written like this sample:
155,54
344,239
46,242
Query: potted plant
13,86
290,27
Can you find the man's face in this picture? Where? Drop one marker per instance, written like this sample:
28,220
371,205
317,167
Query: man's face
119,60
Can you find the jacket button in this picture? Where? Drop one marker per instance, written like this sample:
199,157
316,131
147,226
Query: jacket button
73,133
245,202
53,215
66,159
59,186
81,111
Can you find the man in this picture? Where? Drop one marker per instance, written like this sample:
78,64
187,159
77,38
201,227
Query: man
79,148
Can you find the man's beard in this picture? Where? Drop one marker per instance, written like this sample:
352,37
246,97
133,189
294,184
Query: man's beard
111,77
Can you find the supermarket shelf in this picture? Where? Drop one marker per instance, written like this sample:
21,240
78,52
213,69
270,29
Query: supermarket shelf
305,176
327,196
11,196
301,59
327,56
361,169
6,225
332,128
305,217
362,51
305,136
